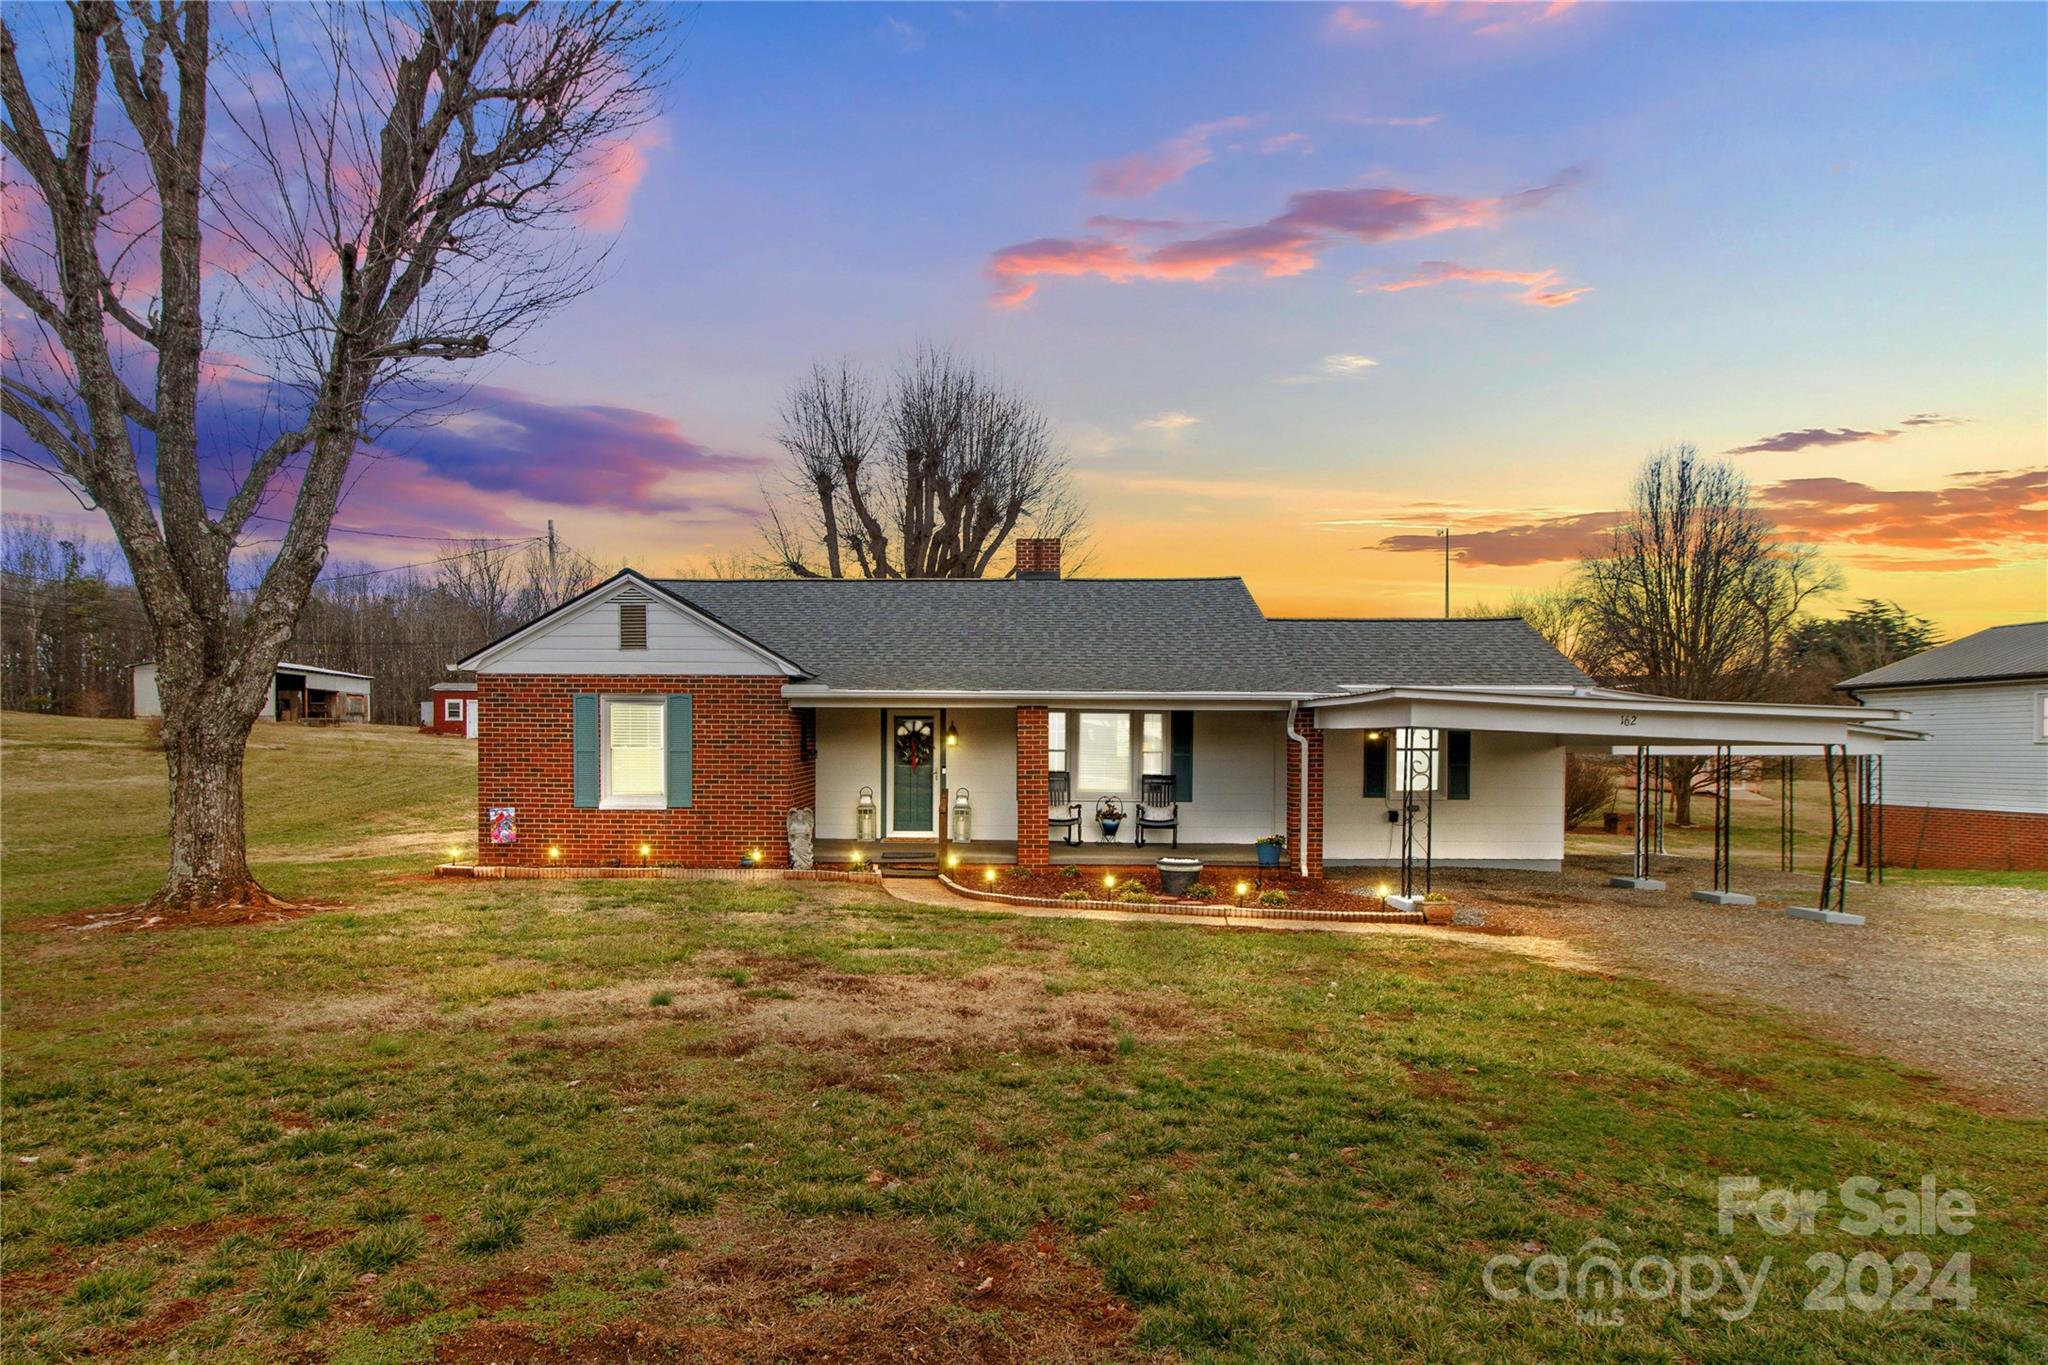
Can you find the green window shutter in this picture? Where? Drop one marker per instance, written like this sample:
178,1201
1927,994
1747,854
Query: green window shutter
1458,765
679,743
583,714
1376,747
1183,746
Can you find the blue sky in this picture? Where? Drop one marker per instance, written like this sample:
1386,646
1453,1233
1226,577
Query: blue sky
1760,220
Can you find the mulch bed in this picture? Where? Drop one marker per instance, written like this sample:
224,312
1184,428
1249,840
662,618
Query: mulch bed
1303,893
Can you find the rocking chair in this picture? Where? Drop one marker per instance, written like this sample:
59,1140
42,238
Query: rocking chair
1156,807
1063,812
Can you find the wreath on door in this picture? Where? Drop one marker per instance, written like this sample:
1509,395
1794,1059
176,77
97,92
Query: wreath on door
913,743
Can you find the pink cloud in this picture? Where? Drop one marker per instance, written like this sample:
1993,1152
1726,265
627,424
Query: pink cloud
607,185
1142,173
1494,18
1289,243
1388,121
1348,21
1286,142
1547,540
1539,288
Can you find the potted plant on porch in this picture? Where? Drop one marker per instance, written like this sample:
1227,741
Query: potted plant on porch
1109,813
1270,848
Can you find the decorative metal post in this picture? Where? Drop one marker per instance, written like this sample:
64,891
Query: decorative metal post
1788,837
1724,892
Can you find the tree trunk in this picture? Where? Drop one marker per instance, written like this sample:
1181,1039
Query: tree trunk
209,866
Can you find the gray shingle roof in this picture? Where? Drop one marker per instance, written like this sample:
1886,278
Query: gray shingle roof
1102,635
2001,652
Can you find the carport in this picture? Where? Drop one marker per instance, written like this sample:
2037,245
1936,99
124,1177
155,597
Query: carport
1631,723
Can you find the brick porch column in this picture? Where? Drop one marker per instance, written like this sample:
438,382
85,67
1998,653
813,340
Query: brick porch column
1305,726
1033,846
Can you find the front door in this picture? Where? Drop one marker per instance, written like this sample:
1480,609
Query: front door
913,775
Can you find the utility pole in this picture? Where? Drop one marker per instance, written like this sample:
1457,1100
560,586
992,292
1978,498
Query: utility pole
1445,532
553,580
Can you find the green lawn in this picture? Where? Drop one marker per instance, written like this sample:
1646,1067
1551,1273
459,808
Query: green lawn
598,1120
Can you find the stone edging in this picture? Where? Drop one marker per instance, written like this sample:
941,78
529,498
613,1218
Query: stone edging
1191,909
699,874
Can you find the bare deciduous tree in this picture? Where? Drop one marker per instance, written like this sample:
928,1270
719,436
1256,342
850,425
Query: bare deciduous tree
1696,594
342,193
927,478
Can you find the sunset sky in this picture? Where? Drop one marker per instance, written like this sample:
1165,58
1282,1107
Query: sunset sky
1296,283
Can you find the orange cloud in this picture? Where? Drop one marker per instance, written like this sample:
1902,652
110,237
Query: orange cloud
608,183
1348,21
1287,244
1142,173
1985,513
1540,288
1493,18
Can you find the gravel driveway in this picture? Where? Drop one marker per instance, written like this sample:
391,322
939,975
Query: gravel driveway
1949,979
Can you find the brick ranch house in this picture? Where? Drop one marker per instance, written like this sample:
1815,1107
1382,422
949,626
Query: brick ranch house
679,722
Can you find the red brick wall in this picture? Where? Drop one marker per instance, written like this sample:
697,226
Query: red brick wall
1039,556
1033,845
1999,841
747,773
439,724
1305,726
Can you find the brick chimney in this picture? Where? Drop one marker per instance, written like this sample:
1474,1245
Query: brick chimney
1038,558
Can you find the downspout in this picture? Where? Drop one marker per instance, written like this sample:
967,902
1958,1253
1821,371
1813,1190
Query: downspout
1301,740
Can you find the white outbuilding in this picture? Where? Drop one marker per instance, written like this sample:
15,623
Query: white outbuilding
299,692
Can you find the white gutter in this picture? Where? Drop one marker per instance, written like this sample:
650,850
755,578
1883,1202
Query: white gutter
1293,709
814,694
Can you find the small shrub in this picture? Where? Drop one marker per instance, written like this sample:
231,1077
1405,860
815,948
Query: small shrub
1273,896
1074,893
409,1299
660,998
292,1290
500,1225
1200,891
1134,893
604,1215
1070,870
381,1248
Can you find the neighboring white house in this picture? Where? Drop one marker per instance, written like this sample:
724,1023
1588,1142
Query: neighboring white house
297,692
1975,793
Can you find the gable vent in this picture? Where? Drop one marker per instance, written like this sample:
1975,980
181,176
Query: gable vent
632,619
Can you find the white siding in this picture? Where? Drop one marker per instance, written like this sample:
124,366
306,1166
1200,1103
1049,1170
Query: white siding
1242,760
585,639
986,764
1981,750
849,758
1515,815
147,702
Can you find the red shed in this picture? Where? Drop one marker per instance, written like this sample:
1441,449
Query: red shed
451,710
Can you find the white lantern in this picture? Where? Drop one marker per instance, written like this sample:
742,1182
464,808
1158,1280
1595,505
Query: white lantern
963,823
866,816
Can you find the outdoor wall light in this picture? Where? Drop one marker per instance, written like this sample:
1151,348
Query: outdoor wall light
952,736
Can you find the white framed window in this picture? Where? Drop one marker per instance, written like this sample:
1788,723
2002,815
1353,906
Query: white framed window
632,744
451,708
1418,765
1104,739
2041,718
1155,756
1056,742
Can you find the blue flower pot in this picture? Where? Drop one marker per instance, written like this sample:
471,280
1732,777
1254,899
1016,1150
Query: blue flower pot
1269,854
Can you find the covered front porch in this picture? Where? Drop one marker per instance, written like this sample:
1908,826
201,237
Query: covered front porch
908,781
1003,853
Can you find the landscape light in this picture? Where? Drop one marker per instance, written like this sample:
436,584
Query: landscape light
856,857
1244,888
988,875
952,860
554,852
1109,879
453,853
754,857
1384,888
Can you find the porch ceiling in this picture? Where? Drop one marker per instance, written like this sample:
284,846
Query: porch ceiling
1603,717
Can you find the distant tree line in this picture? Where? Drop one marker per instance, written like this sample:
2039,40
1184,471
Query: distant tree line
72,626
